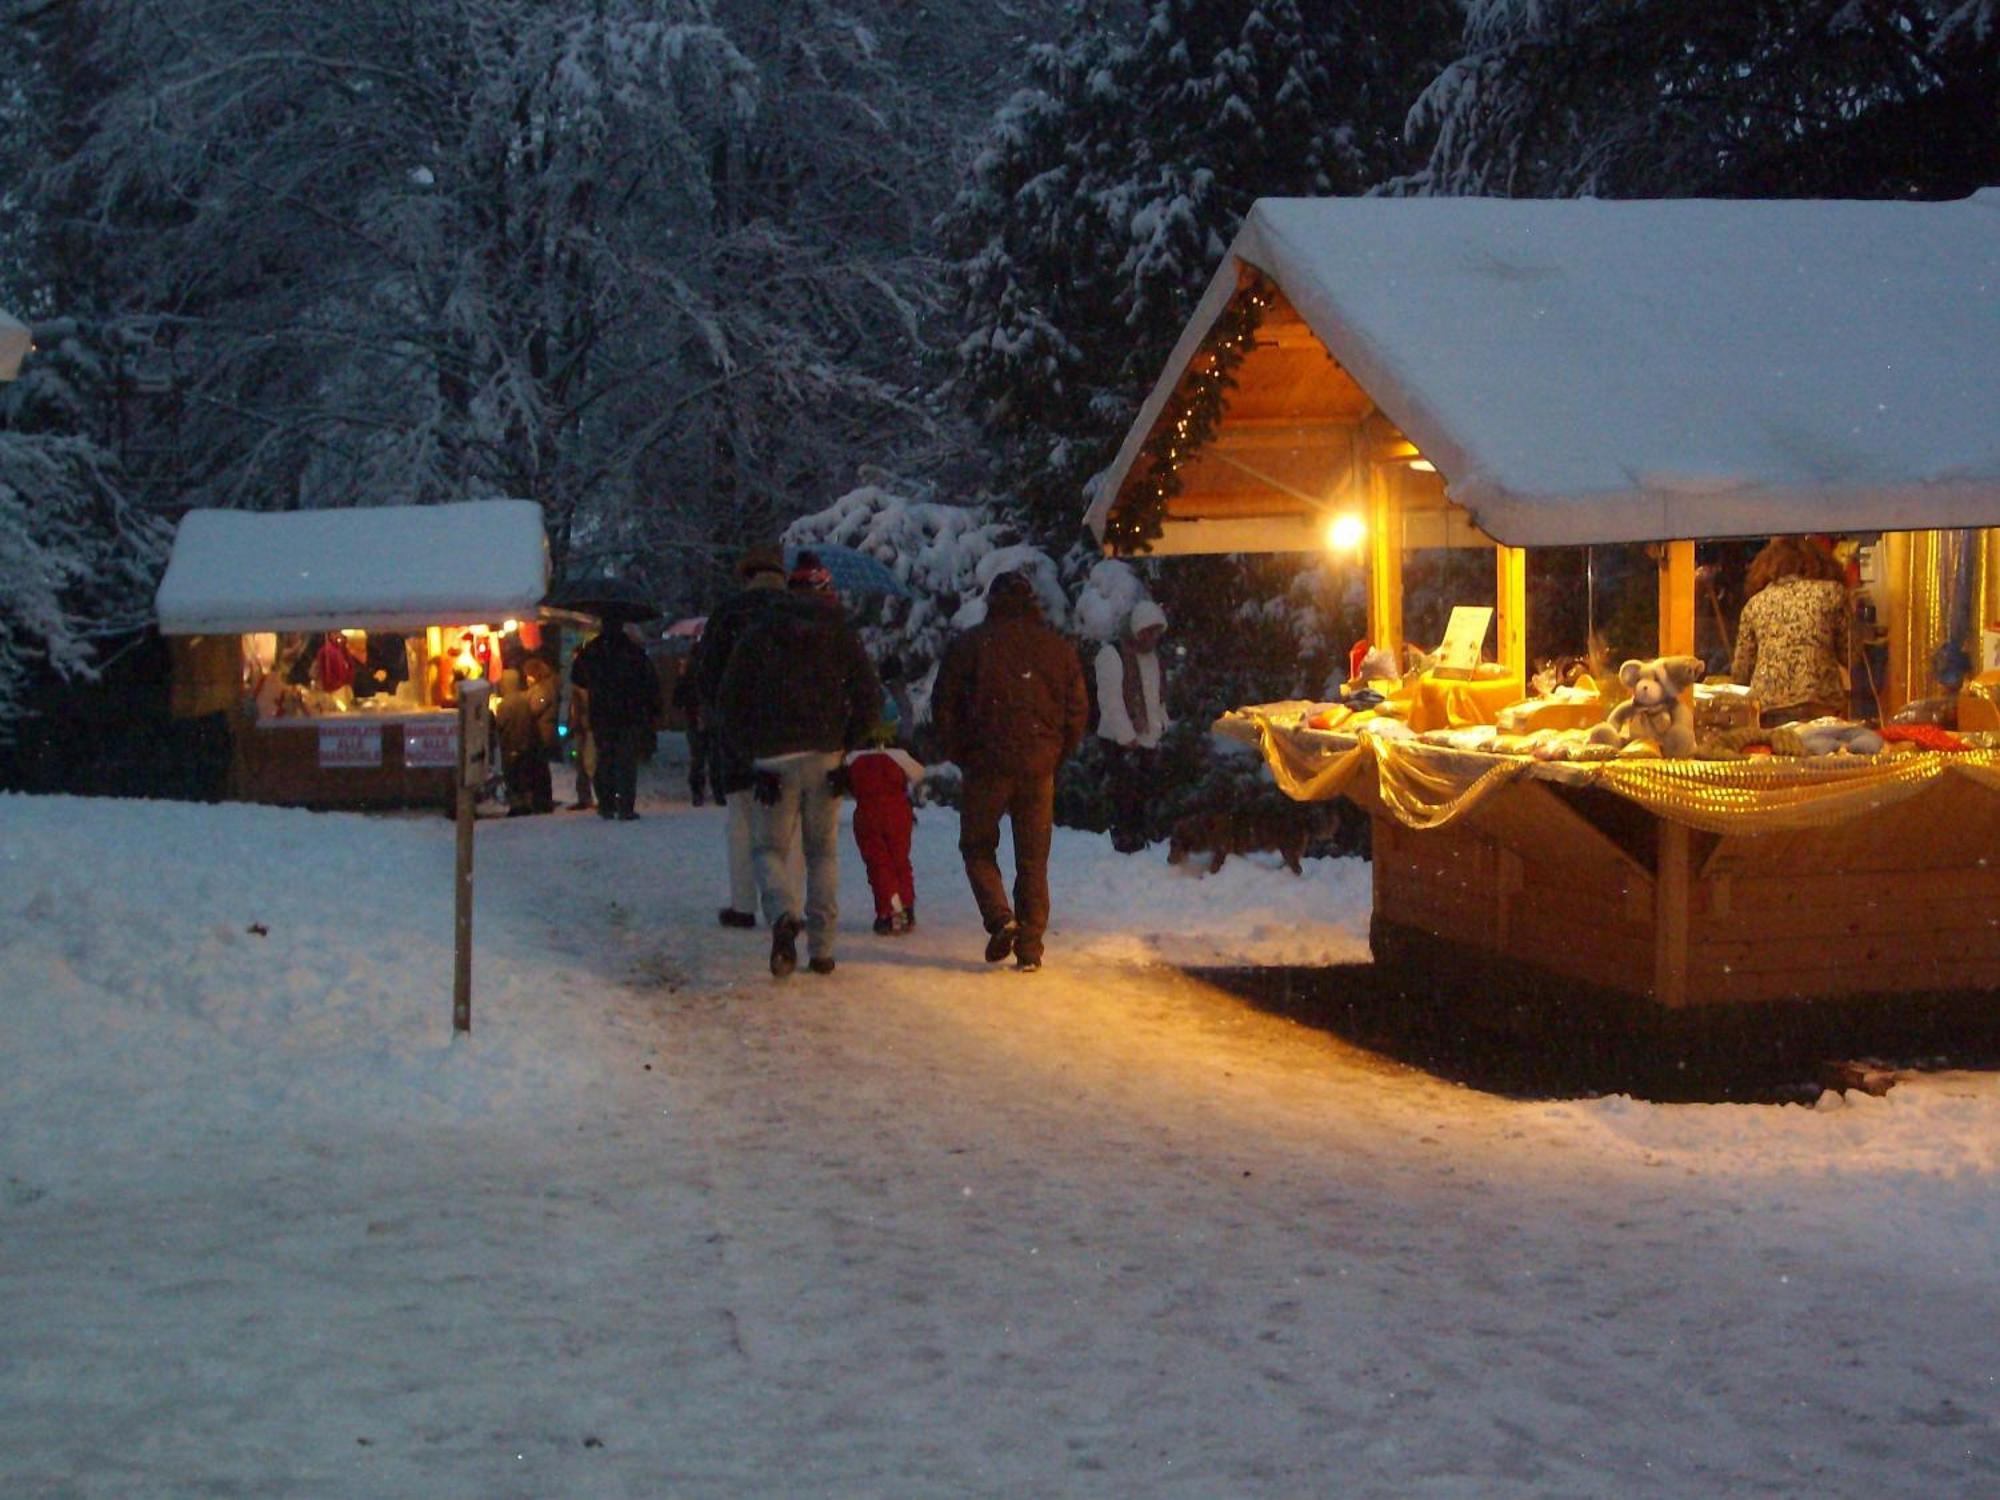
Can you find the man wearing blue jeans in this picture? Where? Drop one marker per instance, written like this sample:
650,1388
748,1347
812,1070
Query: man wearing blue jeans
799,692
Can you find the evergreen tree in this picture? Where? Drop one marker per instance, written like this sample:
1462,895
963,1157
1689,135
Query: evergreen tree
1756,98
1110,185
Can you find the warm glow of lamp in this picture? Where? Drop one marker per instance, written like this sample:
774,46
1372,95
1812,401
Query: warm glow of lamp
510,627
1346,532
1423,466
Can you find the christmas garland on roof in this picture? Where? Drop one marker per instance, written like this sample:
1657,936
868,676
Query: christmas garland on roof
1192,415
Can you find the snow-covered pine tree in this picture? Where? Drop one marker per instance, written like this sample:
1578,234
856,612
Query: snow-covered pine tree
1108,187
1756,98
650,262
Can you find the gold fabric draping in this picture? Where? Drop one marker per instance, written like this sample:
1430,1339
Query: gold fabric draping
1766,796
1427,786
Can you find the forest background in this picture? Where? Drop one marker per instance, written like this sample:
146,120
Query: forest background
691,272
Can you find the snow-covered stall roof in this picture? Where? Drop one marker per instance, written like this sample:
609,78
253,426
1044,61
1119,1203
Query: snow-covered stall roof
397,567
1588,371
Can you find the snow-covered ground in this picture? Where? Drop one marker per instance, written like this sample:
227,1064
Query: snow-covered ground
663,1227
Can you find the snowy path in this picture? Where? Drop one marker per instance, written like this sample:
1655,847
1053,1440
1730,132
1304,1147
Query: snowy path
665,1228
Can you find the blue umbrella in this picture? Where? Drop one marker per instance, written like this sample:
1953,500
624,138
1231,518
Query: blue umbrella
853,572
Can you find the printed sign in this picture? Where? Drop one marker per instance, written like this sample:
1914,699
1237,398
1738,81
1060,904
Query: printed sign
431,744
1463,637
351,747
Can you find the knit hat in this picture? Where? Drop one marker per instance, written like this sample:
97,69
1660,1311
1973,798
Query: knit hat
760,559
809,574
1145,615
1010,585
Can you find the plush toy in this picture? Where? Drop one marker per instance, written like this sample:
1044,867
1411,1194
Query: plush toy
1660,711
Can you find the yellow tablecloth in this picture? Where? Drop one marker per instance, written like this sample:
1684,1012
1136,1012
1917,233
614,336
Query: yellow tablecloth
1427,786
1454,703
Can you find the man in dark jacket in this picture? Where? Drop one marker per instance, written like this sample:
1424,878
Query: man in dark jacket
761,571
1009,706
798,693
624,695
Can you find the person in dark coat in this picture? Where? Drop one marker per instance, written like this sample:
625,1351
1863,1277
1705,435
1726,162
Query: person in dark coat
1009,706
700,738
624,696
761,572
799,692
526,720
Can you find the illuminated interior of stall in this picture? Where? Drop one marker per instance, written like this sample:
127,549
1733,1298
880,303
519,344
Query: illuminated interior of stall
1298,457
345,673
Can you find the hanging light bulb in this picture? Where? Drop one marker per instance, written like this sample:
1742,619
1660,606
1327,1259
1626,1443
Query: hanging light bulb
1346,532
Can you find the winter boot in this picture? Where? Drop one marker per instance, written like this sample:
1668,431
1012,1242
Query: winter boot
820,965
1000,942
784,945
884,926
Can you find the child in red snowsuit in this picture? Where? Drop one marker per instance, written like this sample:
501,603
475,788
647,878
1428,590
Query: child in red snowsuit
879,779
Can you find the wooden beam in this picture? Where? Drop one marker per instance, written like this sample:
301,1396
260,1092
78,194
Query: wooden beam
1385,559
1510,619
1677,599
1672,878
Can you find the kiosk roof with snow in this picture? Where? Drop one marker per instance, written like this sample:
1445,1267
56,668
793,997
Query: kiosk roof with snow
1584,371
399,567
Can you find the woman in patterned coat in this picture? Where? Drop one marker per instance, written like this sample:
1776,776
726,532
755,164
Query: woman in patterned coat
1793,640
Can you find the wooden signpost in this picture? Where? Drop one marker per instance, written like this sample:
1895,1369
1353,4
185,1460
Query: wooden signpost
472,769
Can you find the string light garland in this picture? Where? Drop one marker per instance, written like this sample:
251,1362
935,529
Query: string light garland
1189,423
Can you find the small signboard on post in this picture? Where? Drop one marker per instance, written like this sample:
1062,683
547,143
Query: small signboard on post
473,752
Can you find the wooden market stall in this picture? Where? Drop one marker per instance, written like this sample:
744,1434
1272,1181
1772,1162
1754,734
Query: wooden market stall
1394,379
334,640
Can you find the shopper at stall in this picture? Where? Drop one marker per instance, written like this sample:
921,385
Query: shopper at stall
798,693
526,720
624,705
1793,638
1009,705
1130,720
760,572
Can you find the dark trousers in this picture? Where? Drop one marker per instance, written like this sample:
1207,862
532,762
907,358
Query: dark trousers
1131,783
529,786
702,768
1028,800
618,753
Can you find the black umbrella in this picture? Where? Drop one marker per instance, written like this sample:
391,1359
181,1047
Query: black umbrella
606,598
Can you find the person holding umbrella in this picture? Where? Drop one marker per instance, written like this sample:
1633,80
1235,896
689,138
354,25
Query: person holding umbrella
622,694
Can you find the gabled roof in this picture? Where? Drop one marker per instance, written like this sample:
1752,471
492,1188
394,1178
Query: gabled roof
392,567
1591,371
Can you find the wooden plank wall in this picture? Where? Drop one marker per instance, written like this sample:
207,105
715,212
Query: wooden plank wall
1902,902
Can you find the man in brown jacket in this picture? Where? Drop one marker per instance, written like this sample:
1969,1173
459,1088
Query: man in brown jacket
1009,705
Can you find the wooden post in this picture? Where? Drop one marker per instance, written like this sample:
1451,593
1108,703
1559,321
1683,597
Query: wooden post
1672,879
1677,599
1385,561
1510,620
472,765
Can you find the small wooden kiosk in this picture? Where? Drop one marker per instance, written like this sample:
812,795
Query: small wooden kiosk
1379,376
406,601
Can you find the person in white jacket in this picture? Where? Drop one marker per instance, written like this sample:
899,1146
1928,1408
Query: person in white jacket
1131,716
